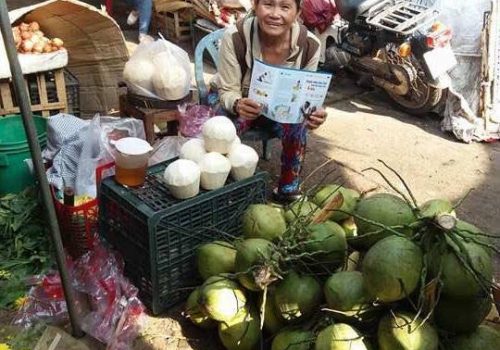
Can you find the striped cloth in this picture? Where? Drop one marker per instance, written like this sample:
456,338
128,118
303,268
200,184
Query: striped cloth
64,146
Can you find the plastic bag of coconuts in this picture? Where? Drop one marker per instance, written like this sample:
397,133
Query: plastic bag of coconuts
159,70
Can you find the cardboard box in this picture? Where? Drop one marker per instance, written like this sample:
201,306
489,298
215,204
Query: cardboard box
95,44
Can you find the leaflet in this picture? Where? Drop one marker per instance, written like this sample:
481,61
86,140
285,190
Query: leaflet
287,95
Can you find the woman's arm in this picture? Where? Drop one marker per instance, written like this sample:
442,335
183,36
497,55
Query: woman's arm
230,82
229,72
312,65
318,116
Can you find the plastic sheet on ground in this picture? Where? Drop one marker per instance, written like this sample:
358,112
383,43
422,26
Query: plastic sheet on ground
461,116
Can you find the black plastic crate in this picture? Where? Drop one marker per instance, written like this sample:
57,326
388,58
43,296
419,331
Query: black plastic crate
157,234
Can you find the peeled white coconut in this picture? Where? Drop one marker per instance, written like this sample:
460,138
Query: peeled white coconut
183,178
218,133
243,160
193,149
138,74
214,170
170,83
235,143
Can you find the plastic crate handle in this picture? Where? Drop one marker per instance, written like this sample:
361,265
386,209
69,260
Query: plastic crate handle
4,161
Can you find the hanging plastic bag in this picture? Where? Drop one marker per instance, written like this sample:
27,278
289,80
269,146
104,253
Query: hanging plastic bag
318,14
159,70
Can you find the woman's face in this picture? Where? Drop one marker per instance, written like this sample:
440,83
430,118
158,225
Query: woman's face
276,16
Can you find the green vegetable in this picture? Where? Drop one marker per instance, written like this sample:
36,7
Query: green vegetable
25,244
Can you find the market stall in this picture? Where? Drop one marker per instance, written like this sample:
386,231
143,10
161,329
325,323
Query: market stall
95,46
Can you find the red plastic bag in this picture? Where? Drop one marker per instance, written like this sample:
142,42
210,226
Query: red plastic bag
318,14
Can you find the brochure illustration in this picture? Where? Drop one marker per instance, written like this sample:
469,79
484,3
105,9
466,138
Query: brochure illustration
287,95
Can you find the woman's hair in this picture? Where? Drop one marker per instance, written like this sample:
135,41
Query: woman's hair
297,2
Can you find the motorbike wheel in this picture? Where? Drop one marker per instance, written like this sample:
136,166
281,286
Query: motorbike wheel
424,103
421,98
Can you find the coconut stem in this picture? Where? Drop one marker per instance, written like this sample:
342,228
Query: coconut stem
402,181
333,204
462,255
446,221
382,226
263,308
398,191
459,203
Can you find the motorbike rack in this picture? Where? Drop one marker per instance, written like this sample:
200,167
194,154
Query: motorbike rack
403,17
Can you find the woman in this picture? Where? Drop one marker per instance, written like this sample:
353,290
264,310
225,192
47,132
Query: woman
272,35
142,11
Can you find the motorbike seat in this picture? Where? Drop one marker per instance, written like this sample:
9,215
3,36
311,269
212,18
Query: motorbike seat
351,9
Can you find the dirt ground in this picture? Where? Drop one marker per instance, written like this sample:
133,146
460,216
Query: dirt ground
362,127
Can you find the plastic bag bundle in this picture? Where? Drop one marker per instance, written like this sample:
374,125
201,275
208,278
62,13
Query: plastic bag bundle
116,315
113,299
44,303
192,118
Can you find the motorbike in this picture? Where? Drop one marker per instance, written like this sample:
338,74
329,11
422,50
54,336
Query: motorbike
399,45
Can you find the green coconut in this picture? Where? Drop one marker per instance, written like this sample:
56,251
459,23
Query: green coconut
195,313
392,269
469,230
300,209
483,338
250,254
327,192
215,258
350,228
241,332
221,298
327,242
383,208
273,322
292,339
340,336
435,207
461,315
344,292
297,296
402,331
263,221
458,281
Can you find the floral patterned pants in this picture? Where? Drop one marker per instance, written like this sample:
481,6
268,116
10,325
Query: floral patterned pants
293,139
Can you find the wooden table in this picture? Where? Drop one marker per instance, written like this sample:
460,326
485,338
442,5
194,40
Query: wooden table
152,116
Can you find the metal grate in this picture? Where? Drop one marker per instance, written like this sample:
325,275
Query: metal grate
403,18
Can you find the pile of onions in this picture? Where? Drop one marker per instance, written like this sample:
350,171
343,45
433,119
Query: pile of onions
30,39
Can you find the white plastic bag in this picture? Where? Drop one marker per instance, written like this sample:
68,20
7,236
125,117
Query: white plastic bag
97,147
159,70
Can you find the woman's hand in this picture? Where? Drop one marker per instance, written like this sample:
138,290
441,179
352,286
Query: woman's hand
248,108
317,118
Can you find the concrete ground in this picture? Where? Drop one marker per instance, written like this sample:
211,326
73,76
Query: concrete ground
362,127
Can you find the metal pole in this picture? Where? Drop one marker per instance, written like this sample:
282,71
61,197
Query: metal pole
29,127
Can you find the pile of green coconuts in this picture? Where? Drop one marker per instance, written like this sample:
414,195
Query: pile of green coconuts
338,270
